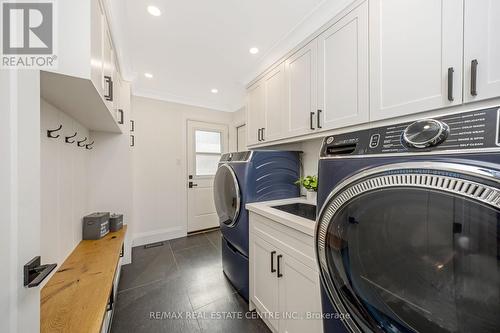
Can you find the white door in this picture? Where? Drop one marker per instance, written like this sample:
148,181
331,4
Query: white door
206,143
241,138
265,281
415,49
299,294
256,112
481,50
301,90
343,60
19,198
275,104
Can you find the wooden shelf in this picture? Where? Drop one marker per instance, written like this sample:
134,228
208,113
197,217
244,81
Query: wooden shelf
80,99
75,298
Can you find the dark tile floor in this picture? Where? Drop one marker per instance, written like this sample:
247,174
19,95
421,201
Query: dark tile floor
180,287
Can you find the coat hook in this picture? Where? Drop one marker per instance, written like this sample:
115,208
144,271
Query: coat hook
49,132
89,145
69,137
80,143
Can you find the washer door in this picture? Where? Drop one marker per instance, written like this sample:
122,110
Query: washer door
414,248
227,195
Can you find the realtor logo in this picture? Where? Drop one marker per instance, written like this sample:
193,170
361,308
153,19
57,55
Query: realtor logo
28,34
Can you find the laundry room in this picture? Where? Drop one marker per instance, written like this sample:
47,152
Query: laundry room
320,166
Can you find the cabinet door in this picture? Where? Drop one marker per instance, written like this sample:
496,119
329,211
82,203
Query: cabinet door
301,90
299,294
415,49
107,78
275,103
265,282
96,45
343,71
482,50
256,104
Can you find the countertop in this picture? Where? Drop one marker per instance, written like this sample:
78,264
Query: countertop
293,221
75,298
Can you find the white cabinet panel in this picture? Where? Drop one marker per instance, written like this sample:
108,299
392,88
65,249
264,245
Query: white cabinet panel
482,44
275,103
413,43
265,283
301,89
256,108
96,65
343,71
299,291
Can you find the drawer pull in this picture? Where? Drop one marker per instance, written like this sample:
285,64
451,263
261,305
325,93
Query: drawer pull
279,266
273,270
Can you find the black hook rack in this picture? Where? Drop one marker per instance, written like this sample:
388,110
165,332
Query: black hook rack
49,132
80,143
67,139
89,145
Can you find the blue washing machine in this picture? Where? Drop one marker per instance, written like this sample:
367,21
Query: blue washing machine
408,233
242,178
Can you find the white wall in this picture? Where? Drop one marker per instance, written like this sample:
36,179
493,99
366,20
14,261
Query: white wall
110,186
19,197
64,185
160,167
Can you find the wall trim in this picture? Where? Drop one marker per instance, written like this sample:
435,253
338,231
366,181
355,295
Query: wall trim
159,235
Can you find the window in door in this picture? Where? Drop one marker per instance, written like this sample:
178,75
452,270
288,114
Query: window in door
208,149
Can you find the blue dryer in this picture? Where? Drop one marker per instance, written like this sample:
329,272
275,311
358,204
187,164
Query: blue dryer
242,178
408,233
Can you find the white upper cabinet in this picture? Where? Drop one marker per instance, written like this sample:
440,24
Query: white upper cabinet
256,112
343,60
481,50
96,61
274,83
415,56
301,90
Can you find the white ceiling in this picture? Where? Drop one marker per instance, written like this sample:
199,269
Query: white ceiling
197,45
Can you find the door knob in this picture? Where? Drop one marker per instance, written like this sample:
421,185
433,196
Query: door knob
191,184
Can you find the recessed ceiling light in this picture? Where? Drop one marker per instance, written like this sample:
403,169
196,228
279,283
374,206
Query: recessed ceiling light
214,91
153,10
254,50
148,75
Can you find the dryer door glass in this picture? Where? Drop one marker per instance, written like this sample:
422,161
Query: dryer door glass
227,195
415,260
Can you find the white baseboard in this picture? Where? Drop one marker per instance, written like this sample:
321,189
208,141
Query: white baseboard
158,236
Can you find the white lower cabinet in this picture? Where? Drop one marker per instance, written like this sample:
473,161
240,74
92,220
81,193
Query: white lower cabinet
299,296
284,280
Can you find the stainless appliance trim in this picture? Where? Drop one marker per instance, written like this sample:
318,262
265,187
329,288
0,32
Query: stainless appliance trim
411,153
238,193
438,176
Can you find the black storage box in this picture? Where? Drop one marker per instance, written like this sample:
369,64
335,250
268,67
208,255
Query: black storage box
115,222
95,226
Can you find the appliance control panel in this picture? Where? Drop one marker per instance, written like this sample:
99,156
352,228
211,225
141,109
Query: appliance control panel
464,131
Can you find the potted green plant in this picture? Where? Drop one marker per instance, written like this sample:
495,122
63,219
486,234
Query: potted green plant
310,183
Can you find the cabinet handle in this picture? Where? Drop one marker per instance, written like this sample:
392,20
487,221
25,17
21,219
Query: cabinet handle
273,270
109,81
258,134
473,77
132,144
263,138
319,119
120,111
311,116
279,265
450,84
